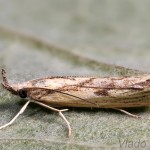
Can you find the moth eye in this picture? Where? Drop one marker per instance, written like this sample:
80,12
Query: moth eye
22,93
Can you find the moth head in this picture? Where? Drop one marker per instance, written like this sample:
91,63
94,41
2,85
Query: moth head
17,89
22,93
10,87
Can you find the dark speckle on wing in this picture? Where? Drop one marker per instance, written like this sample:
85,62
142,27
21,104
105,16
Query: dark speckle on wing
101,93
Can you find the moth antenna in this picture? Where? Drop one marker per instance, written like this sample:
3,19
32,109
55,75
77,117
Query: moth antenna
65,94
76,97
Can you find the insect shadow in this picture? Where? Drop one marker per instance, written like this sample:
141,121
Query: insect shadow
134,110
35,111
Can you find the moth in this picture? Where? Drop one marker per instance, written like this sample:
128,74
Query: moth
92,92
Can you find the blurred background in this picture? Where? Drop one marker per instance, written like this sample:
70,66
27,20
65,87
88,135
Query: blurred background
73,37
115,32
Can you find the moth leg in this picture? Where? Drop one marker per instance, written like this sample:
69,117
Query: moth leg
129,114
59,112
17,115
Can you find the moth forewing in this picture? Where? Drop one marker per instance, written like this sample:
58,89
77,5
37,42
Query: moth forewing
92,92
96,92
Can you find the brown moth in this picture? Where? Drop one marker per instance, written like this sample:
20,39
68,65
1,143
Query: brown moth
93,92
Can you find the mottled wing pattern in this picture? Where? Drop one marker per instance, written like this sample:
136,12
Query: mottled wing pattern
91,91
